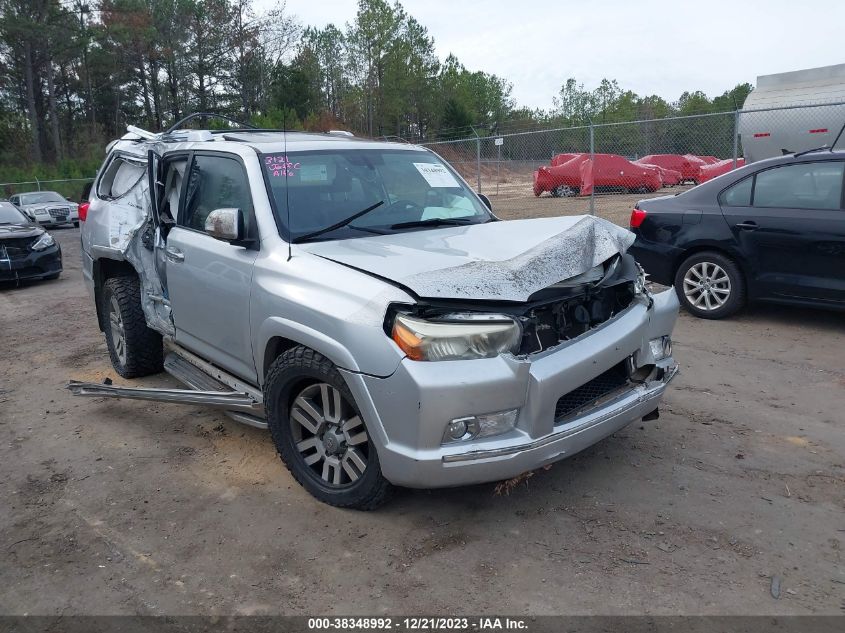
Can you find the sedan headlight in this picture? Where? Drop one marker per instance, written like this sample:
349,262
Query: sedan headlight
456,336
45,241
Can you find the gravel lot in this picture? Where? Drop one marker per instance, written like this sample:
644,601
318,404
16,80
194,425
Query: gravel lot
116,507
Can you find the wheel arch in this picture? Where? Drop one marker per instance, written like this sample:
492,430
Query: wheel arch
277,335
105,268
721,250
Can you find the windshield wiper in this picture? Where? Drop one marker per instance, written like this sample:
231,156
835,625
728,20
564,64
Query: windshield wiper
337,225
432,222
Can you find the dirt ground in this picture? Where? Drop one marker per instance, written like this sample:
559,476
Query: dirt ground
115,507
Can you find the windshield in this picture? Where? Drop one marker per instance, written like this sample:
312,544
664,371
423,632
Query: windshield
316,190
41,196
10,215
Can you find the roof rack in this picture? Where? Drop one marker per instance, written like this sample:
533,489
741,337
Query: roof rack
206,115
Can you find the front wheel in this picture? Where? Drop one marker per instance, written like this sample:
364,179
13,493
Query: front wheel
710,285
319,432
564,191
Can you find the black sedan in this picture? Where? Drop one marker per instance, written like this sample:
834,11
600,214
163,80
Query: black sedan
770,231
26,250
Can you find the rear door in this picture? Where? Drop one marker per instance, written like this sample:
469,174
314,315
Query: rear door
208,279
789,220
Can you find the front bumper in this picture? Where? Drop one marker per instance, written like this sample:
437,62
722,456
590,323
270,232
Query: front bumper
35,265
407,412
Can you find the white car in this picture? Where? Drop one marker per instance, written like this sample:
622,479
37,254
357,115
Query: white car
48,208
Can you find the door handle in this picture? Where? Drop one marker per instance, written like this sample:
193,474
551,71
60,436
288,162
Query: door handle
174,255
747,226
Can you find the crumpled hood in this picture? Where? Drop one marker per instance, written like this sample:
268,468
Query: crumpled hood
497,261
19,230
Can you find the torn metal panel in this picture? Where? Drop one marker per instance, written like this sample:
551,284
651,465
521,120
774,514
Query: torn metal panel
498,261
128,222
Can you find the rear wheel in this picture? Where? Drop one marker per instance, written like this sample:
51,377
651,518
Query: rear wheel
135,349
319,432
710,285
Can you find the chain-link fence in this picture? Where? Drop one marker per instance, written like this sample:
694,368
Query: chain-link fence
574,169
71,188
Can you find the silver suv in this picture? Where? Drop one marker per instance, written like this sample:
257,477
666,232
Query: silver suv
359,300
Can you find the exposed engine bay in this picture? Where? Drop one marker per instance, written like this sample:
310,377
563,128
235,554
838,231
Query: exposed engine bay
560,312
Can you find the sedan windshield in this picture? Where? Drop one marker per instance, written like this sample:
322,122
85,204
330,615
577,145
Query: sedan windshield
391,191
10,215
41,197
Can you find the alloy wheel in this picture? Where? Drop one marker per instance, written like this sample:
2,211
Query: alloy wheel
563,191
707,286
118,332
329,435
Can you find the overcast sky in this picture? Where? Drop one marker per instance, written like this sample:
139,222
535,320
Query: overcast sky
649,47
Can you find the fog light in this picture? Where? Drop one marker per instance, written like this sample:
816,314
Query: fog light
457,428
660,347
483,425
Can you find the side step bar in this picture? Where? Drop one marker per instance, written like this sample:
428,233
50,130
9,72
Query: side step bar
209,386
234,400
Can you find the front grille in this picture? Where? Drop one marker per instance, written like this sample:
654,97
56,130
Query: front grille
17,247
588,393
58,214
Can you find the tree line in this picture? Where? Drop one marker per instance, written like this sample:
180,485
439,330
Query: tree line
74,73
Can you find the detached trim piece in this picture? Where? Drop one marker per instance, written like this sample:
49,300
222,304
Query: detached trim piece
230,400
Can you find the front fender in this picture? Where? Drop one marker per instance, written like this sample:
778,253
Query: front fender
301,334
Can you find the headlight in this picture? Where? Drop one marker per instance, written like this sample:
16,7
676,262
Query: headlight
43,242
456,336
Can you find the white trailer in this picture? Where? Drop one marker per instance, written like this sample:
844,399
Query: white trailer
766,133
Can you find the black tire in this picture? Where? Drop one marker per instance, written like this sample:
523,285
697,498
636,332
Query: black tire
694,270
76,224
142,352
290,374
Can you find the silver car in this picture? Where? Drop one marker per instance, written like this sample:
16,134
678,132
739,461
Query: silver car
48,208
359,300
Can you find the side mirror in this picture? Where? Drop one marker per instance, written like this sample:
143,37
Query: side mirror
225,224
486,201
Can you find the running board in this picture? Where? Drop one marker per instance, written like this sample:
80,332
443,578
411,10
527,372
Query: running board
234,401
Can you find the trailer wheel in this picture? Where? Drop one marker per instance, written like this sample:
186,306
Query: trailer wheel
135,349
320,433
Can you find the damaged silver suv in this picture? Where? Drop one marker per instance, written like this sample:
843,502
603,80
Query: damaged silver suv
359,300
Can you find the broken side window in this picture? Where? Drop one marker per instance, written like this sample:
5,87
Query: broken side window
119,177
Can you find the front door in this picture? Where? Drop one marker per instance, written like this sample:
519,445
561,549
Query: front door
790,223
208,279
